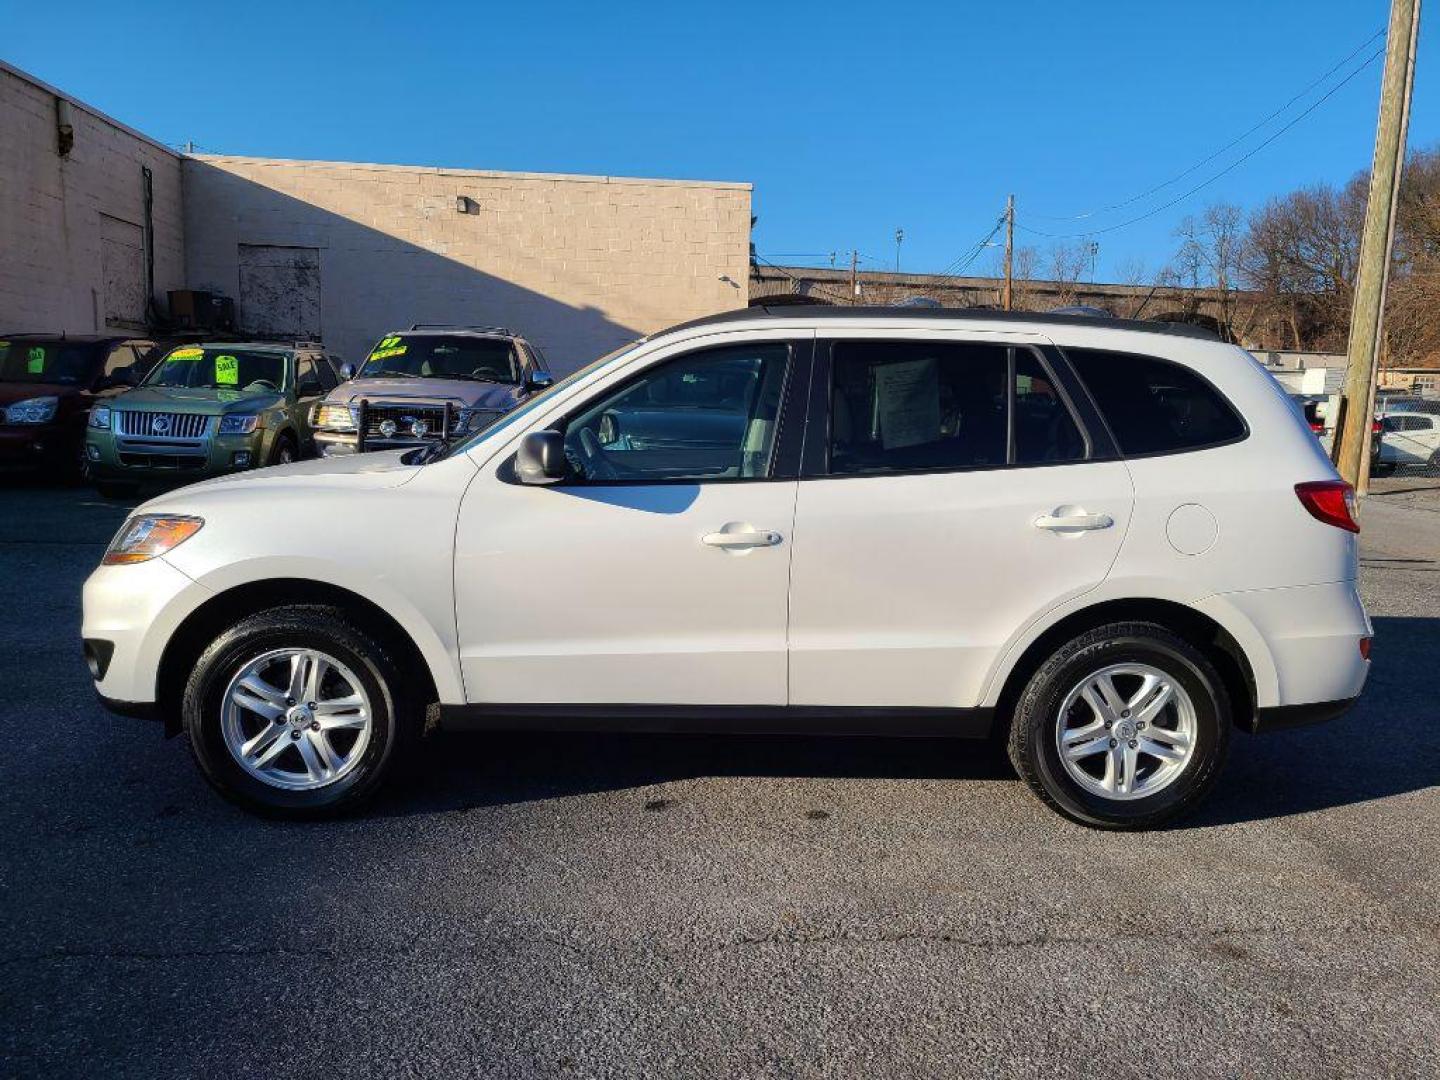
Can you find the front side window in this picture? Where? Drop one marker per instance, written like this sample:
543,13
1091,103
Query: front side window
707,415
220,367
1153,406
443,356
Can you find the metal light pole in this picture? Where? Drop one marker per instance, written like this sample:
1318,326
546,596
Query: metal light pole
1352,438
899,236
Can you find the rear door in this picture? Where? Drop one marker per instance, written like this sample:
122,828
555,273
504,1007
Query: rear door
950,494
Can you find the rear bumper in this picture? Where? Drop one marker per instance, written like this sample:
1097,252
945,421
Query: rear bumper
1282,717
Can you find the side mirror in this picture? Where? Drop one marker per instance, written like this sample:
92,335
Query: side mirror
541,458
539,380
347,372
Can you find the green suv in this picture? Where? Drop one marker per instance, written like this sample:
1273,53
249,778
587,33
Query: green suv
206,410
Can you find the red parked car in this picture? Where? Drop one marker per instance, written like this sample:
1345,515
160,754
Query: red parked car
48,383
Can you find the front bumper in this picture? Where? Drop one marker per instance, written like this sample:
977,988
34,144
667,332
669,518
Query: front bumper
135,610
122,457
36,445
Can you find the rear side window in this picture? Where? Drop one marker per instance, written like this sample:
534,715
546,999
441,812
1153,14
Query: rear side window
914,406
1154,406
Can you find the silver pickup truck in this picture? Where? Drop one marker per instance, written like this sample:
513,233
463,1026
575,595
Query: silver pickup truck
428,383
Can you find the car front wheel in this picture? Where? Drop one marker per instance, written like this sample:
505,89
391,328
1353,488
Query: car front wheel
1123,727
298,712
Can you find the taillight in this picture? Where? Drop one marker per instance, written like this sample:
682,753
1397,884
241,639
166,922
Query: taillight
1317,429
1375,428
1364,648
1330,501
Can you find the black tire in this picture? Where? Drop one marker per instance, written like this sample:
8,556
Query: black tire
397,719
284,444
113,490
1033,733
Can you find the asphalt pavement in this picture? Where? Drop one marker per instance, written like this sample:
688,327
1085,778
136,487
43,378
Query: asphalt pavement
562,905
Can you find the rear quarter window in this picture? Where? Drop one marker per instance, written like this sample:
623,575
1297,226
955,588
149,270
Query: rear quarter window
1153,406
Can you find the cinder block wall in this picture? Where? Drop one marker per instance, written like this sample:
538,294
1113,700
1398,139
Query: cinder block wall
52,209
579,264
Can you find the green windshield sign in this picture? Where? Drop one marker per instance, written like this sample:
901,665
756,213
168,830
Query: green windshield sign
227,371
35,360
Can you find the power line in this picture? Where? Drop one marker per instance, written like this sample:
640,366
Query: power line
1207,182
1228,146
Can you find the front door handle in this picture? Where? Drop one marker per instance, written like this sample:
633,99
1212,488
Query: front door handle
1078,522
739,539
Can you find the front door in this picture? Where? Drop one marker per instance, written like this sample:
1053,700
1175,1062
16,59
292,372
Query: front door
954,498
657,572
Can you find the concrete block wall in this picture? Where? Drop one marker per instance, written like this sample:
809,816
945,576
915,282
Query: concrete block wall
52,208
578,264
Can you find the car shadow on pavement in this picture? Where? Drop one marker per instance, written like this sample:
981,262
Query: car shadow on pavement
1272,775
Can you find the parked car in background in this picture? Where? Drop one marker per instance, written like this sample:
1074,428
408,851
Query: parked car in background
48,385
210,409
1316,410
428,383
1410,438
1108,543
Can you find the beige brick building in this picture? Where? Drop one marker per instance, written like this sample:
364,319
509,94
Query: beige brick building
344,252
579,264
74,242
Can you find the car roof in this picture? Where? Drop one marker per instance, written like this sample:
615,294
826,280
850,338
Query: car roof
824,313
436,329
78,339
271,346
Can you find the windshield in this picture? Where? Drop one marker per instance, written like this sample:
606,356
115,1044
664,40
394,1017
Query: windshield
443,356
221,367
47,361
532,403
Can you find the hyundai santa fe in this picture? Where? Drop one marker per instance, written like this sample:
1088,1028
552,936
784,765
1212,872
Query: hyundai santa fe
1107,543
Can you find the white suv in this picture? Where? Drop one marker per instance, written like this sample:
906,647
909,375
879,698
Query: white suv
1106,542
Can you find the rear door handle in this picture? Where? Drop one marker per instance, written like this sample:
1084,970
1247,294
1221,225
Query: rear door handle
1074,521
749,538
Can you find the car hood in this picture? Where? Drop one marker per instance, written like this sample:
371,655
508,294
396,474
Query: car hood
463,392
355,472
11,392
188,399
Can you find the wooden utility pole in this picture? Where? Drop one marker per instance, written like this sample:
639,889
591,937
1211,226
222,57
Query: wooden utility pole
1009,295
854,277
1352,437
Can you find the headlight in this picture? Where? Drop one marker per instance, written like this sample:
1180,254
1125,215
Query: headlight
100,417
335,417
142,538
35,410
239,424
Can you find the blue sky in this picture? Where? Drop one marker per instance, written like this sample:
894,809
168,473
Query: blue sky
850,119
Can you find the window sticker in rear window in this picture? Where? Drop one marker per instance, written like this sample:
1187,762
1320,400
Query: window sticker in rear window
227,370
35,360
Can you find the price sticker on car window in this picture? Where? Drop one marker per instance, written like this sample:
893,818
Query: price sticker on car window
227,371
387,347
35,360
186,354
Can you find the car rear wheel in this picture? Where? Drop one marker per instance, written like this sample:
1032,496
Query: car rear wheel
1123,727
297,712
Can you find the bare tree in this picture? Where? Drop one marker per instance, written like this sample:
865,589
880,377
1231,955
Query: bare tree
1067,266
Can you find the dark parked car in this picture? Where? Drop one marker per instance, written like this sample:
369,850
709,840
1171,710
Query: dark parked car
48,384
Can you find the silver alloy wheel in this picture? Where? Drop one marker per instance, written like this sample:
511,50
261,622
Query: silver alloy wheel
1126,731
296,719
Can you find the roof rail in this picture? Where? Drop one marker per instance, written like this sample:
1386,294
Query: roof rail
827,313
463,326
